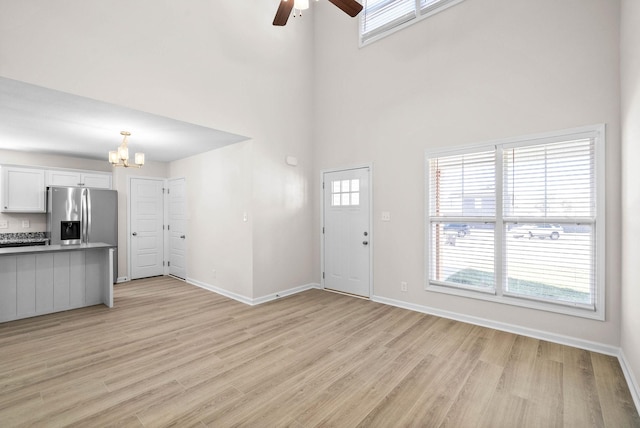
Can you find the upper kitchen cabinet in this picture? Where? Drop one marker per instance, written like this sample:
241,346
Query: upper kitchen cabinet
23,190
97,181
79,179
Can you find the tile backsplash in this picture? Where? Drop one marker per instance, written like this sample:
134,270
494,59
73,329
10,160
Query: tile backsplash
14,223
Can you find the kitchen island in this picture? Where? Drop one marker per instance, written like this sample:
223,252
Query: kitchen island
38,280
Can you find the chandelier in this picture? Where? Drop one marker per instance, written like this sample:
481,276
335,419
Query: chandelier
120,157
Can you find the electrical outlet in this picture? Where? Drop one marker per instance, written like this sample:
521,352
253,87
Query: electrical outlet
214,273
403,287
25,224
385,216
4,224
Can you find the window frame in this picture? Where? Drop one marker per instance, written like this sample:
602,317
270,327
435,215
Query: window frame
389,28
598,134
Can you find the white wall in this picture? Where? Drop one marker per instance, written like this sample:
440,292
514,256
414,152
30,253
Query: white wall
282,195
219,64
218,195
630,40
479,71
36,159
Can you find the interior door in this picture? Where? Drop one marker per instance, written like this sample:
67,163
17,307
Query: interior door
177,228
146,228
347,231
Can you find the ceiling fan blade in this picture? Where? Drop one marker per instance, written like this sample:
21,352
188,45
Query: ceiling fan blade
284,10
350,7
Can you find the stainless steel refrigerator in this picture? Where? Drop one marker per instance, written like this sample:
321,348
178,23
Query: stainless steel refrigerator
79,215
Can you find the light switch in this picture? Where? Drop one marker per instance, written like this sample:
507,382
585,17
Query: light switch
25,224
386,216
4,224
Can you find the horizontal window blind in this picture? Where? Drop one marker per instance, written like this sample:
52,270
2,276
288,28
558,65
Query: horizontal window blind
383,16
542,243
550,180
462,191
379,16
546,185
462,255
463,185
550,263
427,6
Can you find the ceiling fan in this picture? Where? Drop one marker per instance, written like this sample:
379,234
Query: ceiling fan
350,7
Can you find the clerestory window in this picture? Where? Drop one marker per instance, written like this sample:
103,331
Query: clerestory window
381,17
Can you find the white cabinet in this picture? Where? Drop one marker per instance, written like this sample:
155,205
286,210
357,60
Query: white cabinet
78,178
22,190
63,178
97,181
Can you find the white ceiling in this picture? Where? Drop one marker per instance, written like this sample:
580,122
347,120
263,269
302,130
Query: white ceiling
37,119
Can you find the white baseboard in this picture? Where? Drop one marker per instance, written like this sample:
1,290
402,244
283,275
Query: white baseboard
121,279
510,328
247,300
235,296
634,387
284,293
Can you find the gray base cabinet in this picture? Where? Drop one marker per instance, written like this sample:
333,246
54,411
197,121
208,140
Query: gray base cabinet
42,283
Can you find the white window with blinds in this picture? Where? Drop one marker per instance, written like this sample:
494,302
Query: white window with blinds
520,221
381,17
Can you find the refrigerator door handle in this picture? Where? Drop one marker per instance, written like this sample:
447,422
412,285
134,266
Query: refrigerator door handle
85,216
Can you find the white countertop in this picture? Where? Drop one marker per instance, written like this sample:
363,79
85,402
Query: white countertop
53,248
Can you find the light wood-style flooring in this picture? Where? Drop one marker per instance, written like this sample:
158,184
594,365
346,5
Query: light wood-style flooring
171,354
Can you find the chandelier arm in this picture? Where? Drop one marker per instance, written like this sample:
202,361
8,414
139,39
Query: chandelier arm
120,157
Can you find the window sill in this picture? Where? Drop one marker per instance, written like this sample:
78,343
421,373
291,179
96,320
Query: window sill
520,302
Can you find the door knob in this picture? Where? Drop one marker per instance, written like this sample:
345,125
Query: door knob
365,242
135,233
182,236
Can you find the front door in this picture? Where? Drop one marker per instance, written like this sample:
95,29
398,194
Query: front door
347,232
177,228
146,232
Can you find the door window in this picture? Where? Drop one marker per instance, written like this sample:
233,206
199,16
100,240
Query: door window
345,192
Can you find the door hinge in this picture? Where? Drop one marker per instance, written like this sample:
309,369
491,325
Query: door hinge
168,227
322,275
169,263
163,263
323,184
323,230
